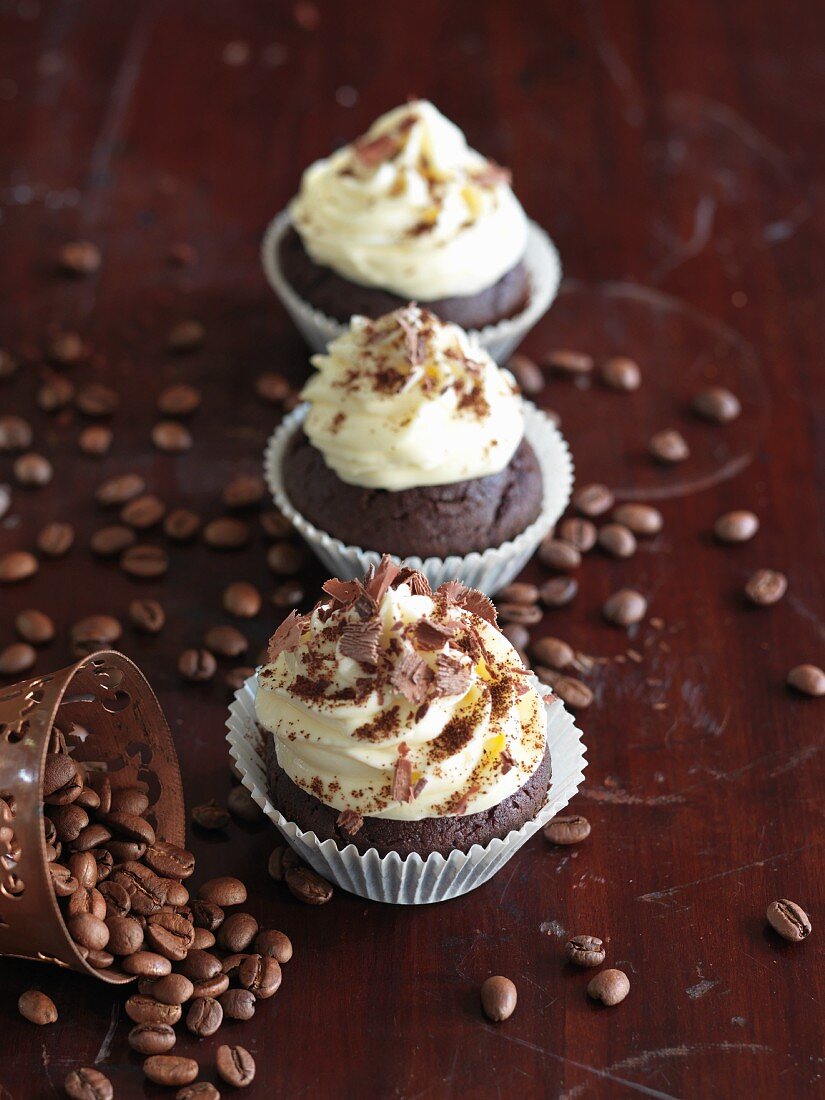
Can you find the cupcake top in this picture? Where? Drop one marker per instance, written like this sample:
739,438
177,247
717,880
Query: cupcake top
410,208
407,401
390,700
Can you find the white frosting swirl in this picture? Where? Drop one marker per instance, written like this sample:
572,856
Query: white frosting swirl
407,400
412,209
342,742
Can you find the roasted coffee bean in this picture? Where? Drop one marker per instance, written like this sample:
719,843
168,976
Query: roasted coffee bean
86,899
170,1069
176,895
288,594
223,891
519,592
88,798
280,860
15,434
182,255
151,1038
559,554
88,1083
129,825
104,861
84,868
526,614
238,1004
93,836
206,914
79,259
171,437
95,399
272,387
95,632
61,780
169,934
34,627
285,558
125,851
67,348
95,440
55,539
204,939
242,600
237,932
200,965
69,821
172,989
242,805
118,902
274,944
585,950
718,404
209,815
186,336
33,470
63,881
559,591
566,361
128,800
517,635
609,986
211,987
169,861
736,526
16,658
144,560
617,540
789,920
225,641
181,524
261,974
621,373
112,540
593,500
144,887
641,519
625,607
101,785
147,616
125,934
197,666
143,512
144,1009
668,447
8,364
88,931
498,998
766,587
235,1065
807,679
244,491
179,399
100,960
231,963
275,525
307,886
570,690
204,1017
17,565
119,489
36,1007
5,500
527,373
198,1090
553,653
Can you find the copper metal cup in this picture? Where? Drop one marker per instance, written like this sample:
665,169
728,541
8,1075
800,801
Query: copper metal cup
120,728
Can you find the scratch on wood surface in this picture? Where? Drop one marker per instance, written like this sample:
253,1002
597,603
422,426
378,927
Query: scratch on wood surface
801,756
106,1045
699,107
617,68
660,896
680,251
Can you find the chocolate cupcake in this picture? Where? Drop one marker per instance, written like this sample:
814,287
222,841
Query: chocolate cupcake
409,212
398,719
414,443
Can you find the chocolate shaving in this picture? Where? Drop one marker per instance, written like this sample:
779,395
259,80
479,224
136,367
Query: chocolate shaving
374,151
461,803
419,787
452,677
430,636
415,581
402,780
360,641
507,761
470,599
412,677
350,821
286,637
403,749
492,174
343,592
380,579
416,343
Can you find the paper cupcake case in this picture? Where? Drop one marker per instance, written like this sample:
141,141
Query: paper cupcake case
411,880
489,570
540,258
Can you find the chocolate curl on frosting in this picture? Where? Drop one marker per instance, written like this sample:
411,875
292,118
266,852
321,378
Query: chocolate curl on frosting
286,637
415,580
461,802
452,677
412,677
402,780
350,821
359,641
343,592
492,174
470,599
416,343
378,580
430,636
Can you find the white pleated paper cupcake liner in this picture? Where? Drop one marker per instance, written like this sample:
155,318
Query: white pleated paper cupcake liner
540,258
411,880
488,570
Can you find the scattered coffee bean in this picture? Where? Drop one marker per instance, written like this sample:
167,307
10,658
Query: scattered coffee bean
807,679
585,951
275,525
182,255
226,533
280,860
95,399
17,658
235,1065
151,1038
553,653
641,519
285,558
55,393
237,677
274,944
171,437
186,336
197,665
717,404
15,434
288,594
272,387
209,815
789,920
212,987
179,399
5,500
89,931
94,632
33,470
669,447
144,1009
55,539
225,890
170,1069
617,540
181,524
766,587
36,1007
66,348
8,364
119,489
145,561
609,986
109,541
565,361
88,1083
737,526
242,600
527,373
559,554
125,933
204,1017
198,1090
523,613
519,592
173,989
621,373
498,998
225,641
570,690
245,491
559,591
79,258
517,634
237,932
242,805
95,440
169,861
593,500
143,512
625,607
61,782
581,533
567,829
147,616
238,1004
307,886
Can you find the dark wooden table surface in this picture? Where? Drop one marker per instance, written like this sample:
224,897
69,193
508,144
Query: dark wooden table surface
675,154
